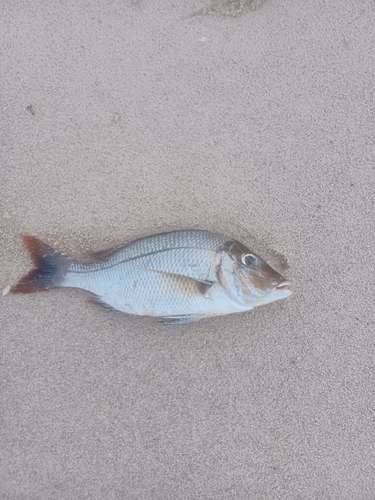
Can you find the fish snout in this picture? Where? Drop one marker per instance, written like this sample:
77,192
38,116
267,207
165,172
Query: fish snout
275,281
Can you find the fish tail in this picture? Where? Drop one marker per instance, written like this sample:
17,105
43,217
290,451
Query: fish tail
50,267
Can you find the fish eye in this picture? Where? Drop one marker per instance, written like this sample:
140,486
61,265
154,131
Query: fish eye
248,259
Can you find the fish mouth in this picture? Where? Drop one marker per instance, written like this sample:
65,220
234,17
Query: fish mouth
284,285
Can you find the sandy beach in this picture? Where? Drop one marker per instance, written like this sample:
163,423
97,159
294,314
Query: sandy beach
124,118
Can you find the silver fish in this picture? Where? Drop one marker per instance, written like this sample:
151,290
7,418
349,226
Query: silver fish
177,277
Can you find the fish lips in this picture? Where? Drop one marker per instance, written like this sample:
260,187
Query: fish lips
276,293
283,286
265,282
280,291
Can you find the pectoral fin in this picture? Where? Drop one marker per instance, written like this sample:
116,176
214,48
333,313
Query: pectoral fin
186,285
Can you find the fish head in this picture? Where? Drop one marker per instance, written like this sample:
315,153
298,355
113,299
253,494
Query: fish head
252,280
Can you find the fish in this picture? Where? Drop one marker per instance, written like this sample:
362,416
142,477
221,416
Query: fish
177,277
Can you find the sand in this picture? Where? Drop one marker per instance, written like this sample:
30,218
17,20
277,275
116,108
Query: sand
122,118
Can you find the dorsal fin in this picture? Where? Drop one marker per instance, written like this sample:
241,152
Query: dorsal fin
105,254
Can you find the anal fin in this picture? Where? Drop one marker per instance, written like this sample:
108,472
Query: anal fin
180,320
95,299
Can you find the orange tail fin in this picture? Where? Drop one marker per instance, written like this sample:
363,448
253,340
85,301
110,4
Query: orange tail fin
50,267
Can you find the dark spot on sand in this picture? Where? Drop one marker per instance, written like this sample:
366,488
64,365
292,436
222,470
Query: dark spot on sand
30,109
230,8
278,259
116,117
